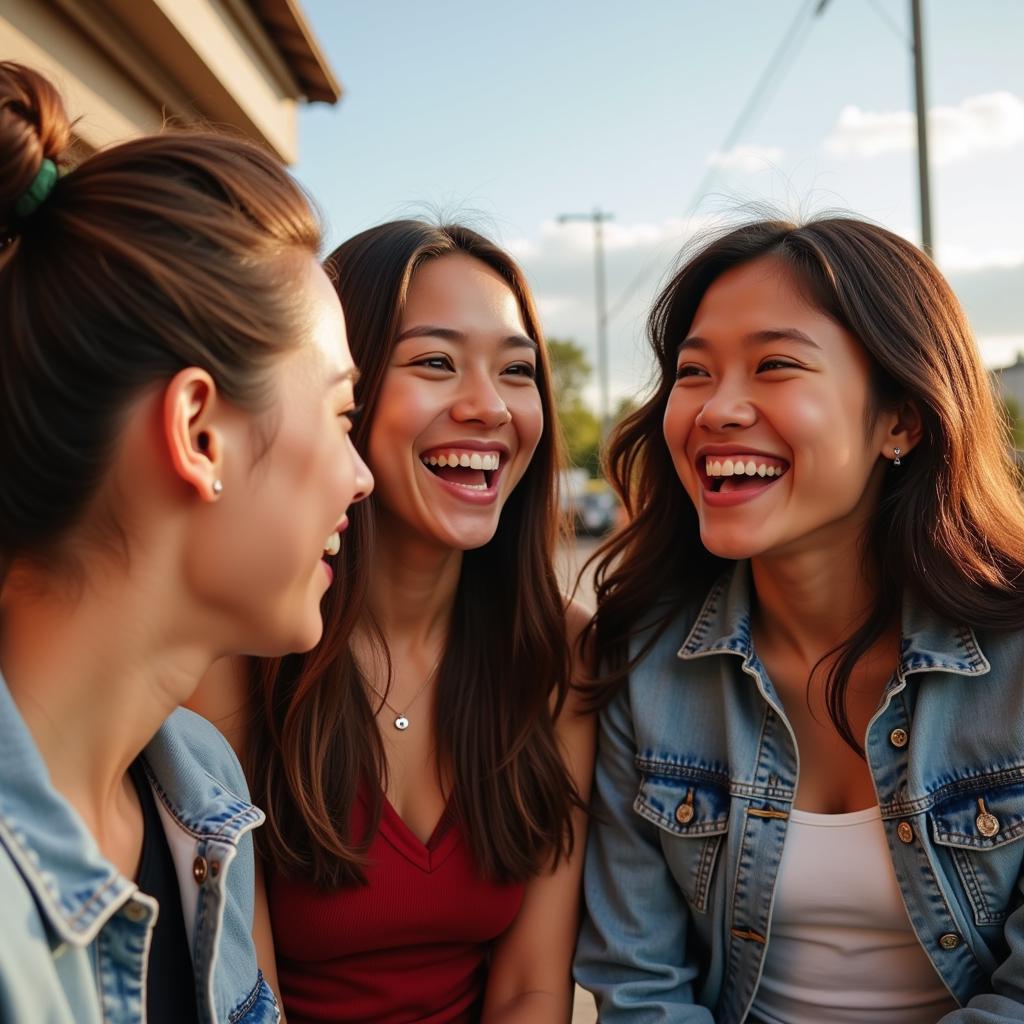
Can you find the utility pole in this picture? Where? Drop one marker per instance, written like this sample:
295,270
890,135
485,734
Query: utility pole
598,217
924,188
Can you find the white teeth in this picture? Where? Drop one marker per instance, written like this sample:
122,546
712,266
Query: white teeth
333,545
476,460
739,467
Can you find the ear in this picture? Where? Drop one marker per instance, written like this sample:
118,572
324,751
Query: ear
194,442
904,428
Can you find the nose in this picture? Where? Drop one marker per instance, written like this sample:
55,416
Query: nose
480,401
363,477
728,407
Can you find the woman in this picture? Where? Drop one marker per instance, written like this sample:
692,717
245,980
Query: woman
811,772
423,769
175,388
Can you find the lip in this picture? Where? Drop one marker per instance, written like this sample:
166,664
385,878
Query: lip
470,445
719,450
342,525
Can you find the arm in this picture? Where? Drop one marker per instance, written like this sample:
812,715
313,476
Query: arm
530,979
222,697
1005,1003
632,950
263,938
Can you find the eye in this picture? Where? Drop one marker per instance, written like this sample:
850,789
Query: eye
351,416
776,363
690,370
434,363
522,369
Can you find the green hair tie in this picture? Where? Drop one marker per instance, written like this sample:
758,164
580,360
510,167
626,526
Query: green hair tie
35,195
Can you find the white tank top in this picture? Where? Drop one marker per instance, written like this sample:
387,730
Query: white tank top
841,947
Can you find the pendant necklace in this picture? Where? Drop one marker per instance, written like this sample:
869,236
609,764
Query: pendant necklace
401,717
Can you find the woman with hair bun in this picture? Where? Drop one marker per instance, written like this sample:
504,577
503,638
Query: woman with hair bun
809,797
174,464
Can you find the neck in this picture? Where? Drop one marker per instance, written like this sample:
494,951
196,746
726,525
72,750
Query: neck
412,590
808,602
93,676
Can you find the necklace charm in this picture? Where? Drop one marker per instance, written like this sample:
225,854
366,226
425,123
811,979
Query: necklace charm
402,723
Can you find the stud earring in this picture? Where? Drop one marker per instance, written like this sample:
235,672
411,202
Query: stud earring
217,487
896,452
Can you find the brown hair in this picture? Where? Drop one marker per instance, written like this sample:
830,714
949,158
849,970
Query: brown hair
950,523
163,252
505,662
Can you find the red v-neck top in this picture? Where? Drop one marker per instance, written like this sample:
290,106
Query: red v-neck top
409,947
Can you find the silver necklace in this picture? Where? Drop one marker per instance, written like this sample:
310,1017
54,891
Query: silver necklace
402,717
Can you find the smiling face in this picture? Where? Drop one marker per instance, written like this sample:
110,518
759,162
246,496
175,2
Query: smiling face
459,414
769,423
262,551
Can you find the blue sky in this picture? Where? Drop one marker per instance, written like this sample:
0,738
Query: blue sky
506,115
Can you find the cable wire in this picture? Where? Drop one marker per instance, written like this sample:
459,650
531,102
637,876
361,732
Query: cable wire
769,81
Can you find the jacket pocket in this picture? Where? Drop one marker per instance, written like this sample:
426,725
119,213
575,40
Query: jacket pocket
981,826
690,808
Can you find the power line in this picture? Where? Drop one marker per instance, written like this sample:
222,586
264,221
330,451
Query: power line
779,63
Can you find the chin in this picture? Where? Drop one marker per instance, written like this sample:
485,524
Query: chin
724,544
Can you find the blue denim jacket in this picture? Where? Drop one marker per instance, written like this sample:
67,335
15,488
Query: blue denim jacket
696,774
74,932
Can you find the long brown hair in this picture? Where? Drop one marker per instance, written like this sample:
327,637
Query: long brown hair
506,660
950,523
164,252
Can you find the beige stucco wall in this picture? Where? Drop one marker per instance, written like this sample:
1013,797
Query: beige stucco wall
125,65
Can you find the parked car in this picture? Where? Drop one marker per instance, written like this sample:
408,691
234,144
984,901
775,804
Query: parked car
595,512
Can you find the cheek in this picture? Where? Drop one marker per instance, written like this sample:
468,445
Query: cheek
677,424
528,416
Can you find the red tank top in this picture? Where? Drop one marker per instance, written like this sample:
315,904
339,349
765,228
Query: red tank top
409,947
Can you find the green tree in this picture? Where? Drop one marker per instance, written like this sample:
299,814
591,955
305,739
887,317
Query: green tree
581,429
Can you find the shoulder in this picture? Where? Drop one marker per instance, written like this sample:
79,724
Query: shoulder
188,739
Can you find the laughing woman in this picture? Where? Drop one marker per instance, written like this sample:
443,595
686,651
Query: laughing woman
423,770
810,785
172,367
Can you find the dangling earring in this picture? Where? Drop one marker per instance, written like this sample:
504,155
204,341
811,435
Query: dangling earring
896,456
218,488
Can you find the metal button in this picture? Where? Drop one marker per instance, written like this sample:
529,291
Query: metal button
199,870
905,831
986,822
135,911
950,940
899,737
684,813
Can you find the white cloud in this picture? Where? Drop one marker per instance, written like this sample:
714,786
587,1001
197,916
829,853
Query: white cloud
954,258
979,124
746,158
577,236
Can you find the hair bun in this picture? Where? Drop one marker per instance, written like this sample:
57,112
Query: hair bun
34,127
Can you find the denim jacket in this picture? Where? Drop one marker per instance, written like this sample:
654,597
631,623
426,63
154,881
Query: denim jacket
75,933
697,770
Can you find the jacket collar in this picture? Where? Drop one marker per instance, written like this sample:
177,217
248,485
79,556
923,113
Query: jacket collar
75,887
927,642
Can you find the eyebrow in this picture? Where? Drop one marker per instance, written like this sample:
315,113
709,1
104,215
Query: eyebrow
351,374
755,338
449,334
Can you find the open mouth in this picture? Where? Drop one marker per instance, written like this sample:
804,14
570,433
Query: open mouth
742,471
473,470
